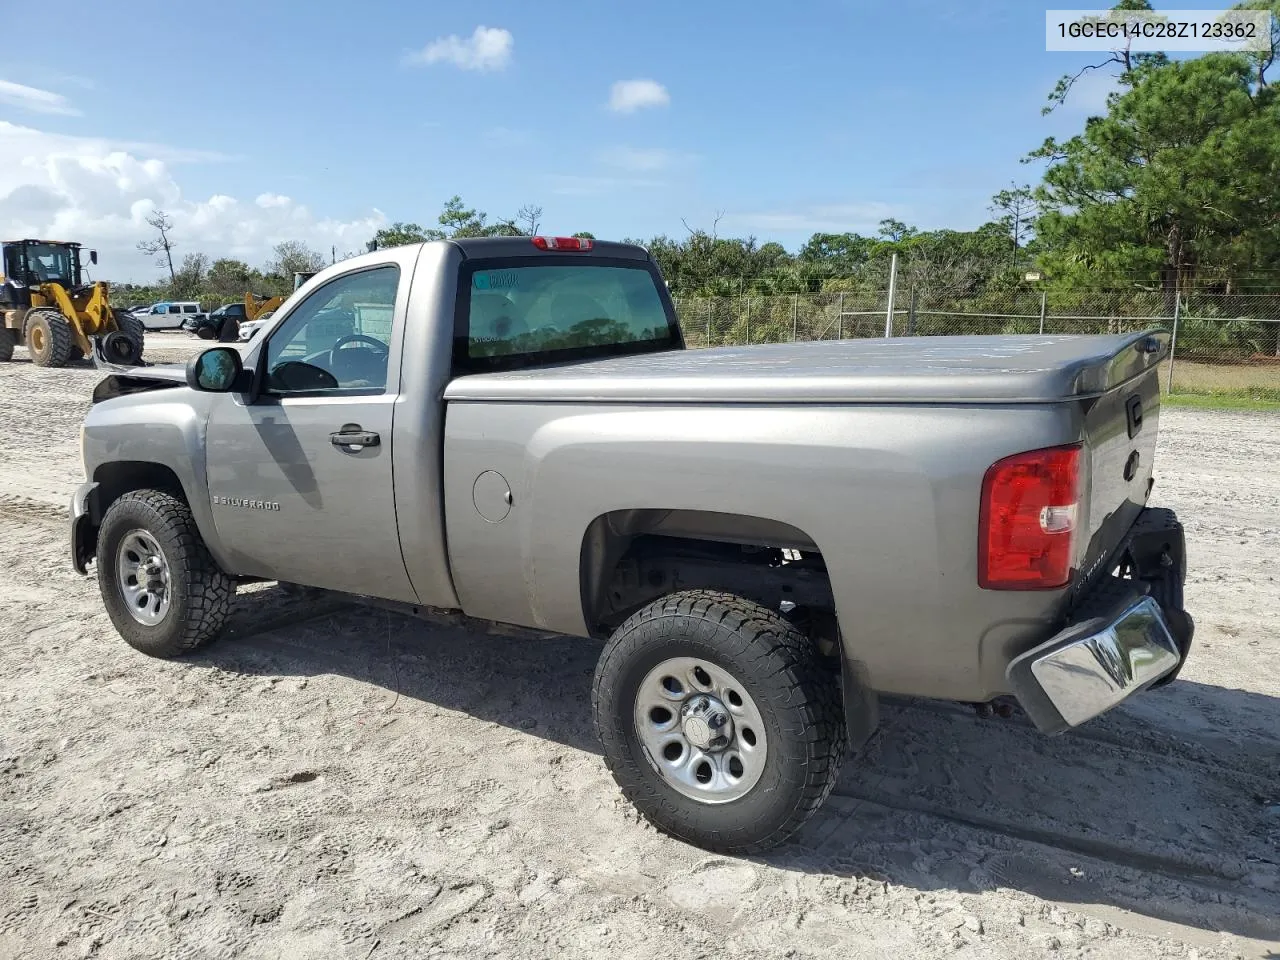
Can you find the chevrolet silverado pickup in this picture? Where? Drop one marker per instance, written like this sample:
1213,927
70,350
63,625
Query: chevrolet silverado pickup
766,539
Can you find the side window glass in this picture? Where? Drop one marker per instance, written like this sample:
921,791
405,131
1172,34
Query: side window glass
338,339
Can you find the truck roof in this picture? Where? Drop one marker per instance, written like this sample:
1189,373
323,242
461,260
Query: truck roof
964,369
523,247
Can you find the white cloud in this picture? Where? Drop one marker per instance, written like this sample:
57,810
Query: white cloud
828,218
100,192
488,48
644,159
34,100
627,96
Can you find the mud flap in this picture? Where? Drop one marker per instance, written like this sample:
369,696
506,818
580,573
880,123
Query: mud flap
861,705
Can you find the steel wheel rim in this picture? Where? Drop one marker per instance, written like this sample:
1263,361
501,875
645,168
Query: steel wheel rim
673,725
37,340
142,574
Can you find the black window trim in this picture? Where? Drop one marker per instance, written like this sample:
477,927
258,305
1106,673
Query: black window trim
263,394
463,364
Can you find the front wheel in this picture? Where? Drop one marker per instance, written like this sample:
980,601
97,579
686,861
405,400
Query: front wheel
49,338
719,720
164,593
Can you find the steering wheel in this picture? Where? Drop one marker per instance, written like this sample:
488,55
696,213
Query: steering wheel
354,337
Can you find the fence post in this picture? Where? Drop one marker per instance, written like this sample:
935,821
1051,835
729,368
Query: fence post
1173,341
710,301
1042,300
911,313
840,319
748,299
893,289
795,315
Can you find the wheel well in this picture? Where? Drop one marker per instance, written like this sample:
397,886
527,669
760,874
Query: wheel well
119,477
632,557
114,481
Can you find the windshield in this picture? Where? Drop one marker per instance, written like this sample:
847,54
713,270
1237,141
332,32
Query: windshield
49,263
515,313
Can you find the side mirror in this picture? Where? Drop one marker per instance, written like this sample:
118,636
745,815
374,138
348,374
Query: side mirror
93,257
215,371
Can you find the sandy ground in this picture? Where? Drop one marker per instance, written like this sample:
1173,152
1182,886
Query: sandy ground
337,782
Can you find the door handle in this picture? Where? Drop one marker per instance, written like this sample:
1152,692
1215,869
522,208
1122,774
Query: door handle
351,435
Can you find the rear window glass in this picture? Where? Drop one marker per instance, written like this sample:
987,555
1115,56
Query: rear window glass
545,312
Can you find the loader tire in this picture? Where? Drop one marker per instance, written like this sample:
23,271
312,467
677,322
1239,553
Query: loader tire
8,340
49,338
164,592
132,328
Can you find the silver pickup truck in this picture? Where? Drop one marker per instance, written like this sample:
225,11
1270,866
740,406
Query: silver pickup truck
765,538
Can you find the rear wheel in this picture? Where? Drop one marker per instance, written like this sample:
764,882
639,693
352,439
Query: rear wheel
8,340
49,338
719,720
164,593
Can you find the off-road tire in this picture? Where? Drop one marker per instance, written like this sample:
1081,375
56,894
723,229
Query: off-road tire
797,692
51,331
8,340
132,328
201,593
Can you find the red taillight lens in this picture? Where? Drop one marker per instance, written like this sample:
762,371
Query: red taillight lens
1027,520
562,243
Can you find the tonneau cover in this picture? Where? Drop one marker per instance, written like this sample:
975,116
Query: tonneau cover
967,369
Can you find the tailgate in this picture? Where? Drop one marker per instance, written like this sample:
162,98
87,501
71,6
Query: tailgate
1120,437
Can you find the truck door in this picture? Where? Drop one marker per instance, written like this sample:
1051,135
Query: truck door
300,478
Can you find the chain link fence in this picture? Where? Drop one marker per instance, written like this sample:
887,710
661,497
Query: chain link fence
1224,344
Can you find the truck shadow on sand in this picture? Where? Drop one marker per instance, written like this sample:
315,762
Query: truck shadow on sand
1168,809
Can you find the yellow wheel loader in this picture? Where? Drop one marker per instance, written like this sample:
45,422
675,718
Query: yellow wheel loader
255,305
46,304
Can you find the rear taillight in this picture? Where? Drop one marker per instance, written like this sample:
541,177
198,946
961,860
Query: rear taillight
562,243
1027,520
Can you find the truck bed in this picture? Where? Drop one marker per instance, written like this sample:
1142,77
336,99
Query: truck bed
971,369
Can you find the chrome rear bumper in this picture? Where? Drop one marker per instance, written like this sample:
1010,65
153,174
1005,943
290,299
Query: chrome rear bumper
1130,634
1091,667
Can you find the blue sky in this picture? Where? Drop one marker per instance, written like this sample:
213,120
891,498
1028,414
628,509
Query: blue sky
331,117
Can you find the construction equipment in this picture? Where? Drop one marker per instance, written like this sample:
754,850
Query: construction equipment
46,304
255,305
